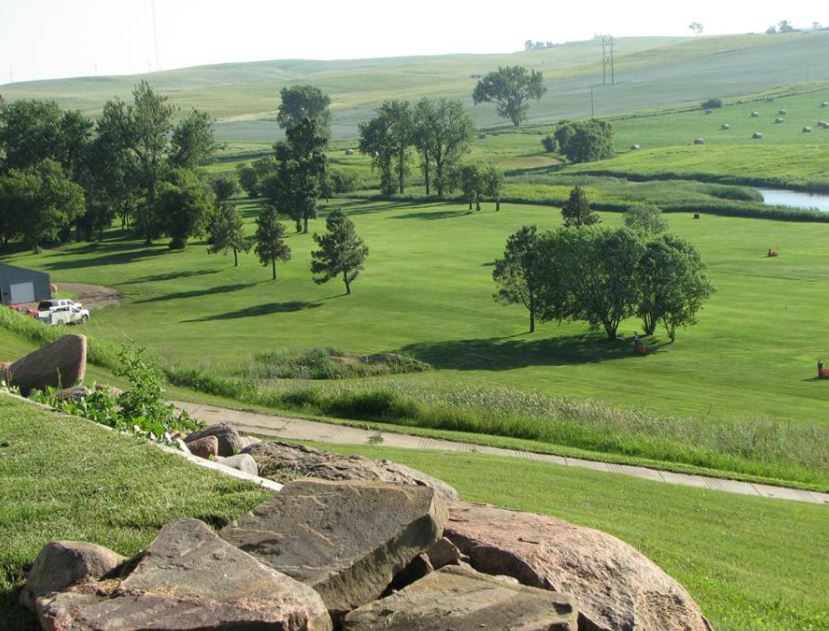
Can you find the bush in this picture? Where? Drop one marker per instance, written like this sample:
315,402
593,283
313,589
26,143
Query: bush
549,143
345,181
711,104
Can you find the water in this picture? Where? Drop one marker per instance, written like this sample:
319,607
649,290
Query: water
795,199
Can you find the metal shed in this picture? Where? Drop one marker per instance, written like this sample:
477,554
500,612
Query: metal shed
19,285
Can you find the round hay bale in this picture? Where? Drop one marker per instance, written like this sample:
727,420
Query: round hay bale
781,112
755,114
825,104
778,120
725,126
635,147
807,130
696,215
757,135
823,124
349,152
699,141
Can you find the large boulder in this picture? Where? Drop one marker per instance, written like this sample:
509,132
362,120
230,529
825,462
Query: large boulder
347,540
618,588
283,462
59,364
61,564
228,437
189,579
203,447
465,600
240,462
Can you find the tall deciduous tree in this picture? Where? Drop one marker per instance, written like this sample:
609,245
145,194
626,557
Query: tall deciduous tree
576,210
470,178
270,238
183,205
304,101
228,232
672,284
520,273
493,184
43,200
375,142
586,141
645,220
341,251
151,122
444,133
193,143
511,88
387,138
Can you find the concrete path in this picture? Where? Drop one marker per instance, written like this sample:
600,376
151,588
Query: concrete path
300,429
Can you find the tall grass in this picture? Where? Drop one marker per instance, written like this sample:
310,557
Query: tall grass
765,448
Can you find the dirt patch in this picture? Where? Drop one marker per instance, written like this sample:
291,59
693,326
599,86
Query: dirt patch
93,296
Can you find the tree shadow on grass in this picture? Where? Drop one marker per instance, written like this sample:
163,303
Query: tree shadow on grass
116,258
509,353
157,278
260,310
196,293
435,214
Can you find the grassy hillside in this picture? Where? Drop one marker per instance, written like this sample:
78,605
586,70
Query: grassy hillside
742,379
650,72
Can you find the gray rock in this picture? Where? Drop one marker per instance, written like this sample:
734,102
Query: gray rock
59,364
61,564
190,579
464,600
347,540
75,393
228,437
618,588
417,568
444,552
283,462
240,462
247,441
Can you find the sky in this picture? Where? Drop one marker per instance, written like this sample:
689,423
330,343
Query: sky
43,39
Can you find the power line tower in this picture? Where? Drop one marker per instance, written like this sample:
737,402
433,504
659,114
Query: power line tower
608,46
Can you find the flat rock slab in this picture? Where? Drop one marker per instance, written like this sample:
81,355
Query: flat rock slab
345,539
464,600
283,462
617,588
59,364
189,578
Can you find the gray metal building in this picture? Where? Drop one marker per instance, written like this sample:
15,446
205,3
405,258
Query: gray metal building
19,285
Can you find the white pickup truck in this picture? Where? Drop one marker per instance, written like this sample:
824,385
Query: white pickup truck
62,312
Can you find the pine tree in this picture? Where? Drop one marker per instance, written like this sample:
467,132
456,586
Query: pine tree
341,251
229,233
576,211
270,238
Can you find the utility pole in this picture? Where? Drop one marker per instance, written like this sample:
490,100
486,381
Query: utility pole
608,46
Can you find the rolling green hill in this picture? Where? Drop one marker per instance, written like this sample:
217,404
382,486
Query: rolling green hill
650,72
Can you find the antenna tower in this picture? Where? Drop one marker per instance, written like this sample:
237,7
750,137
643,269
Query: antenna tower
608,46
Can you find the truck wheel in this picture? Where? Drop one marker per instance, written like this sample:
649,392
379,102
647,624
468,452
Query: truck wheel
84,319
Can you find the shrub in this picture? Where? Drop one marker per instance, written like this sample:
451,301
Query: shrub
711,104
549,143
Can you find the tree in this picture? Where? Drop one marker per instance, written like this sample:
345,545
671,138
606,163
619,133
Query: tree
43,201
294,188
387,138
150,127
520,274
228,233
510,87
696,27
590,275
29,132
270,238
225,186
375,142
784,27
671,283
549,143
493,184
469,177
576,210
443,134
183,206
645,220
587,140
341,251
248,179
422,139
193,143
301,102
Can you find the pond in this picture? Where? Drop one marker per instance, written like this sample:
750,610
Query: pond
795,199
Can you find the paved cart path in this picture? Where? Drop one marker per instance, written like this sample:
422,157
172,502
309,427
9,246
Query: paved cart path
300,429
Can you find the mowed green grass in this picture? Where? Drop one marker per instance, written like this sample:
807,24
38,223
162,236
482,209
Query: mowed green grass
427,290
750,563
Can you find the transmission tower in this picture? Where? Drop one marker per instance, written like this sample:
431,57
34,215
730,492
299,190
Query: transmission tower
608,45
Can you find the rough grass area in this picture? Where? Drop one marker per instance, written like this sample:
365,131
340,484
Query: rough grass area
327,363
66,478
751,564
